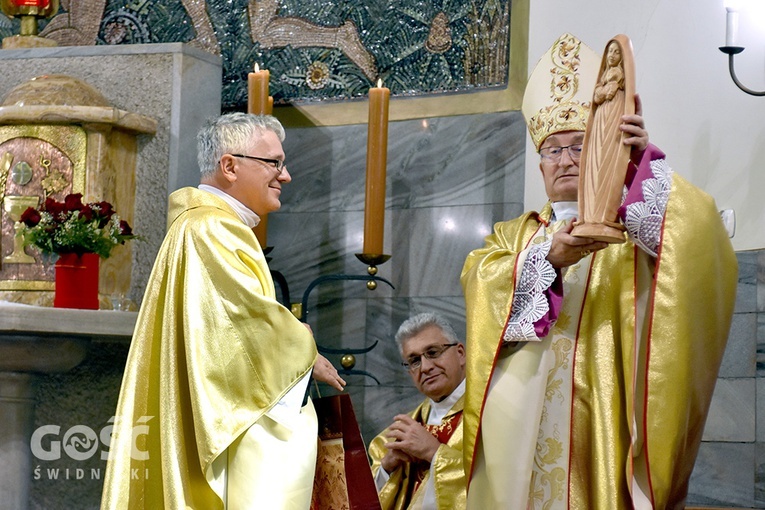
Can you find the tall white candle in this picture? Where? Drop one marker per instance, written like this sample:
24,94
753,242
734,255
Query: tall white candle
731,23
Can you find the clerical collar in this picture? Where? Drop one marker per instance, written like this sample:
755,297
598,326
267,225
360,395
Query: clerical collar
246,214
439,409
564,211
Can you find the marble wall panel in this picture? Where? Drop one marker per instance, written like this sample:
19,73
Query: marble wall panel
732,411
724,475
442,164
428,248
457,161
760,411
435,243
759,474
760,346
308,245
740,352
328,168
760,279
332,322
470,159
748,275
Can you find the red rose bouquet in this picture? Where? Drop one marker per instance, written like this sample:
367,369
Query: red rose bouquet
74,227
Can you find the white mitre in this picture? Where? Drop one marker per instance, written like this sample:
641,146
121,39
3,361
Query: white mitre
559,90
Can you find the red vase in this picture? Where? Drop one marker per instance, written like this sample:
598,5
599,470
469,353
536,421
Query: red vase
77,281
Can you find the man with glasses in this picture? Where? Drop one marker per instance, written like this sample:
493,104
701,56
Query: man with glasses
590,367
417,460
218,370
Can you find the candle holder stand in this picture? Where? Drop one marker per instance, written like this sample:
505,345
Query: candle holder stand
300,310
732,51
348,360
372,260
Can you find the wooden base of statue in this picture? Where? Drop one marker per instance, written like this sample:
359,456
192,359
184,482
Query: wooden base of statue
605,157
612,234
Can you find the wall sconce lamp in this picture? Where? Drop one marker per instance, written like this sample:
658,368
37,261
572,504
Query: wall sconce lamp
730,48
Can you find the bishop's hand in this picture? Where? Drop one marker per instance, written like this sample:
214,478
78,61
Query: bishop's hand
566,250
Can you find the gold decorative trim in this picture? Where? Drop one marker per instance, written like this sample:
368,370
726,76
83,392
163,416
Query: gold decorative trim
71,140
26,285
557,96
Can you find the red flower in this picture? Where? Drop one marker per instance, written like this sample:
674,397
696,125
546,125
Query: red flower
54,208
105,209
73,202
30,217
88,213
125,229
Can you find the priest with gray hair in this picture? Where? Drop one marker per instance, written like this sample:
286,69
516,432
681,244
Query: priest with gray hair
417,460
218,369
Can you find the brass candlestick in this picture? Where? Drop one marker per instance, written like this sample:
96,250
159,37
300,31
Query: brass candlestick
372,260
30,12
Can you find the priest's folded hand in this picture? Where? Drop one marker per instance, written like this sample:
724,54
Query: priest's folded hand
394,459
412,438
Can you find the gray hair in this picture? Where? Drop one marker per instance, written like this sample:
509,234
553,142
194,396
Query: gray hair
417,323
231,133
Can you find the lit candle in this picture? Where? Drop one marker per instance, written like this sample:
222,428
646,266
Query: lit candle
270,106
377,152
257,91
731,22
258,103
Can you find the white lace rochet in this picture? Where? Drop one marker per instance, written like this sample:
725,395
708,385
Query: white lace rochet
529,302
643,222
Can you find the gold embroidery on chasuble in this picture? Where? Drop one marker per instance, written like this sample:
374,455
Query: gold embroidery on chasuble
443,432
551,459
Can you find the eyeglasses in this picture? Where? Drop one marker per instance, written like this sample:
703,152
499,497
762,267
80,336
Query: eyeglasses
277,164
432,352
554,153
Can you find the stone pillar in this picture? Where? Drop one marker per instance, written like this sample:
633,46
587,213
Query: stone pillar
17,408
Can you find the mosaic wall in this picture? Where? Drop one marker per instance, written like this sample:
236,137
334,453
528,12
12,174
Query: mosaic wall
324,49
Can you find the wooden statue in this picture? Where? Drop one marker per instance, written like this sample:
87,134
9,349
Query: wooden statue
605,158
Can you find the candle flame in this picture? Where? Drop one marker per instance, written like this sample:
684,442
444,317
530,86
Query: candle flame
379,82
257,67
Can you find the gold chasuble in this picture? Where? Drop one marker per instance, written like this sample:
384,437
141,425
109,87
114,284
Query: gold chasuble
211,353
405,488
606,411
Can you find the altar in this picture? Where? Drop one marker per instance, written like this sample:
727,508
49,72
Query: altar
36,341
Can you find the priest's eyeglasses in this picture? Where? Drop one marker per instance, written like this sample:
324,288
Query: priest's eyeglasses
277,164
433,352
554,154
